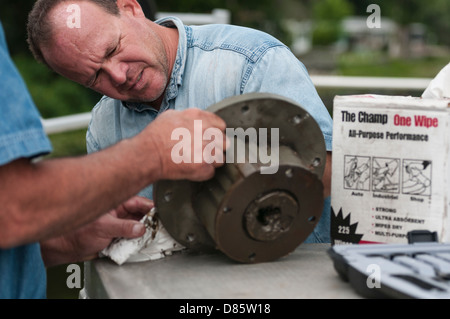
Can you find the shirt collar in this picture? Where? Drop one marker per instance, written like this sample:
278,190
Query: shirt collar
176,77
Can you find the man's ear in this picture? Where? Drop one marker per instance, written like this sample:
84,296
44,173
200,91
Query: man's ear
131,7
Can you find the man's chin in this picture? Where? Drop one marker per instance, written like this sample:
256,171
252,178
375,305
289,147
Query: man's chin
136,101
152,102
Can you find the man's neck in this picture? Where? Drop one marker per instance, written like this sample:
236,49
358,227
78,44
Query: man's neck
156,104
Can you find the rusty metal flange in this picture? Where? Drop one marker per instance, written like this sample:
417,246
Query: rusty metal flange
248,215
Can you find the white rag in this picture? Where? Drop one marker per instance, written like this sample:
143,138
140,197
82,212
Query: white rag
156,243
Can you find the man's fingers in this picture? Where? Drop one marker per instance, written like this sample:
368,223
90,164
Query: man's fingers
136,206
194,159
118,227
126,228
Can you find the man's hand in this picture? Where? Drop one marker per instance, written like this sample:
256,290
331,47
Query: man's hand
87,241
201,153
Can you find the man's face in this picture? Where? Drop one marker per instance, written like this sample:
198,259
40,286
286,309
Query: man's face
121,57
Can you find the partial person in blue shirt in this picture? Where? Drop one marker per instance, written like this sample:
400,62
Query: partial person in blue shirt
22,271
145,68
67,210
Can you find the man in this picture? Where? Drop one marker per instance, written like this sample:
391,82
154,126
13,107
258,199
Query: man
145,68
60,202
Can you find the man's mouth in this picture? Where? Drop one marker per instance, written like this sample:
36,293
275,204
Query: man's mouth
137,82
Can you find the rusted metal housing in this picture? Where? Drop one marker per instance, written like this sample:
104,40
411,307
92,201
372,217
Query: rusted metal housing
249,211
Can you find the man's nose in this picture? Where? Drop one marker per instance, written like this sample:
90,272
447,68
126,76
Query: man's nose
117,71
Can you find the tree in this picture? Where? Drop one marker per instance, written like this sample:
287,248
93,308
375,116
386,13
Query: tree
433,14
13,16
259,14
327,16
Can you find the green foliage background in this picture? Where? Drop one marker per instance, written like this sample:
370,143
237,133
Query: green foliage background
56,96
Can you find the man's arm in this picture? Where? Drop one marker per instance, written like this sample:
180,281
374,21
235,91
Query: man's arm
52,197
280,72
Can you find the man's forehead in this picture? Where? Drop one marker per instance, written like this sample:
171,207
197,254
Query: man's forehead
79,21
74,14
78,40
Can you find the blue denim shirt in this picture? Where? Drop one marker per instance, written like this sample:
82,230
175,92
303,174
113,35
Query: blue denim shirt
214,62
22,271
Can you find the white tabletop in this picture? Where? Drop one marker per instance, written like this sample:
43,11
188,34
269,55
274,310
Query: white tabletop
308,272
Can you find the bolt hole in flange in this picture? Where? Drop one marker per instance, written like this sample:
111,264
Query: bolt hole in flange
316,162
311,219
168,196
289,173
296,119
250,216
190,237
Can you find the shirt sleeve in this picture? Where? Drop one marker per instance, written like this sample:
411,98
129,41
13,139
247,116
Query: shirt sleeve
21,130
278,71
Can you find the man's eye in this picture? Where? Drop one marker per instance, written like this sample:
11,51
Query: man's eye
113,51
94,80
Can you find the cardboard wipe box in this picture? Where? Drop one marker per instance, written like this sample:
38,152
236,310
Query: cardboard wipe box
391,171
